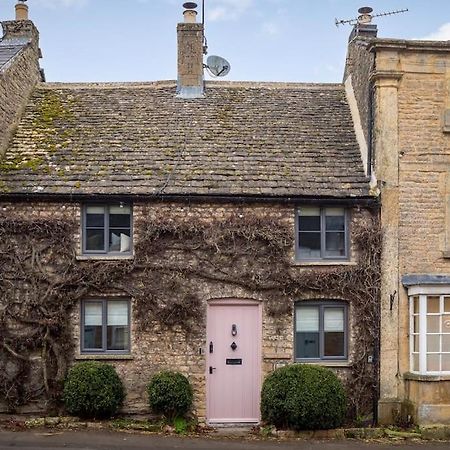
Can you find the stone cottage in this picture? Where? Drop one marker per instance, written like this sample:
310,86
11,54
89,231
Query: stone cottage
403,92
220,229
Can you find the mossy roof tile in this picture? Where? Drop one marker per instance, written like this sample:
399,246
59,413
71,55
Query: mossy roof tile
241,139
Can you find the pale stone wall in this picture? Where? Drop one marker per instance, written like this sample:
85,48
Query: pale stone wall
413,160
162,349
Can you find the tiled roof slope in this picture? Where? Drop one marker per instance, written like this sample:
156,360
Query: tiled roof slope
7,52
241,139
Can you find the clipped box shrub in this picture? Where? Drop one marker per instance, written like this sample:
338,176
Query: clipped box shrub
93,390
170,394
303,397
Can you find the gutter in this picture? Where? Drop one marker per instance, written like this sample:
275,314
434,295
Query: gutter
364,201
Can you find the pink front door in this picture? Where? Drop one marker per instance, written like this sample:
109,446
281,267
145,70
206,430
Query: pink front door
233,368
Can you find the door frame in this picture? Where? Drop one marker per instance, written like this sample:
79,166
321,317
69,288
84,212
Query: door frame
234,302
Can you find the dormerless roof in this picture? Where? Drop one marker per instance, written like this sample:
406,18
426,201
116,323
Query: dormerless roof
263,139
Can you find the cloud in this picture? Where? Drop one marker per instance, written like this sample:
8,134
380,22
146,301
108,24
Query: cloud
60,3
220,10
270,28
442,34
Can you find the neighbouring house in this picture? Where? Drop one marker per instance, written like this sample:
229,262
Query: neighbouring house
403,90
220,229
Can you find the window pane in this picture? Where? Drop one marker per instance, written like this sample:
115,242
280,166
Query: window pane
446,304
93,313
309,245
415,362
335,219
333,319
119,217
309,219
335,244
307,319
416,305
92,325
416,324
446,363
307,345
433,343
334,344
118,329
433,363
95,240
446,323
117,338
117,313
433,324
92,338
125,209
95,216
119,240
446,342
433,304
416,343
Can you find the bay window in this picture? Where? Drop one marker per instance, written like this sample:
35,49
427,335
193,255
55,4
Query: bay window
430,333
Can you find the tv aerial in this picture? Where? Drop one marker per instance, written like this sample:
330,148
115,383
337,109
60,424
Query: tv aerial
366,16
215,65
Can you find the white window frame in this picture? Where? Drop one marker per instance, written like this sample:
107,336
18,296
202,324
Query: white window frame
423,292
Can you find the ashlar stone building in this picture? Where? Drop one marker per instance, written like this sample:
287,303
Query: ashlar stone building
403,92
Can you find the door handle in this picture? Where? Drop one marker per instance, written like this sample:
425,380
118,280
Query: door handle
211,369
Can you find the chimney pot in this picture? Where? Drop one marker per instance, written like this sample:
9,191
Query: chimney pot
21,10
190,16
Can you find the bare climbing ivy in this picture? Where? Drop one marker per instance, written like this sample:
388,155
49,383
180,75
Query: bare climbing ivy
41,281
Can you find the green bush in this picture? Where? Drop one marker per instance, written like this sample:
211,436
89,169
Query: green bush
302,397
170,394
93,391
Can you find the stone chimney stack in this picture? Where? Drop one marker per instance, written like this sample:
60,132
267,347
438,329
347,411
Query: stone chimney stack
190,54
364,27
21,10
19,70
20,31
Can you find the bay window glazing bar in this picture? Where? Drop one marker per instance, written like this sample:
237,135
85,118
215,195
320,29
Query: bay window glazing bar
423,334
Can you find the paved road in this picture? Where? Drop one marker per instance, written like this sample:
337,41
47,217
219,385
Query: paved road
111,441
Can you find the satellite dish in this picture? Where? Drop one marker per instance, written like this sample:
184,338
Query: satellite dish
217,66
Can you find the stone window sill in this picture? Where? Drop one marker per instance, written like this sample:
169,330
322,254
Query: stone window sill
327,363
104,357
446,254
432,378
104,257
275,357
317,363
323,263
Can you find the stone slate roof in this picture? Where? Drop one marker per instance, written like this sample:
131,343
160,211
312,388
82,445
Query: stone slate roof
7,52
263,139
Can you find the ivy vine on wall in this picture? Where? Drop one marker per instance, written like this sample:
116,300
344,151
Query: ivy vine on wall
41,281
